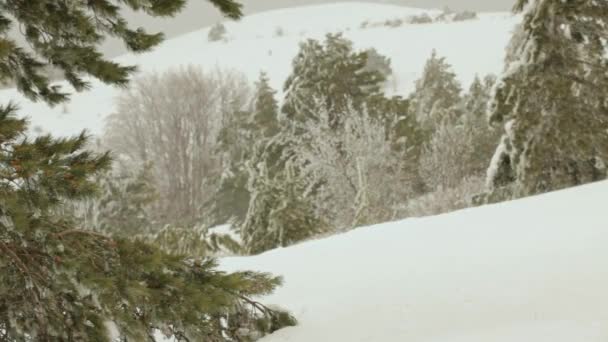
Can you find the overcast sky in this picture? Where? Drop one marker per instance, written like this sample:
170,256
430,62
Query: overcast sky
199,14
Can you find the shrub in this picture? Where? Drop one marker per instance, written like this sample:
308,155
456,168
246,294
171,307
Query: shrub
217,32
445,200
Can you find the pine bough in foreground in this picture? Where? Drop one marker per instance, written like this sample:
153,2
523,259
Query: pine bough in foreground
61,283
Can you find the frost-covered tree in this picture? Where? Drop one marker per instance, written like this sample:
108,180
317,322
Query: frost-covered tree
551,99
437,93
331,73
231,201
282,210
460,150
457,151
174,120
125,205
357,172
231,198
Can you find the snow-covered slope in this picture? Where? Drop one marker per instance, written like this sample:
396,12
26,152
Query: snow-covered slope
475,46
530,270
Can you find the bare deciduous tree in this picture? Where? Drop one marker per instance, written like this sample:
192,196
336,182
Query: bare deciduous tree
173,120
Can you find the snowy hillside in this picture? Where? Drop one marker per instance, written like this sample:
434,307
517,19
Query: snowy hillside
529,270
475,46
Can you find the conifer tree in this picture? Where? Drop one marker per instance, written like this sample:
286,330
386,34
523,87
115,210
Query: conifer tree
217,32
62,282
125,205
230,201
281,211
59,282
198,241
379,63
232,198
460,150
437,93
477,99
405,134
551,99
329,74
266,109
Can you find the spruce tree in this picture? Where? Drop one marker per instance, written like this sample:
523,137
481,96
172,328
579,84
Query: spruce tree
63,282
329,74
405,134
125,205
551,99
230,201
266,109
281,211
477,99
437,93
460,150
379,63
60,282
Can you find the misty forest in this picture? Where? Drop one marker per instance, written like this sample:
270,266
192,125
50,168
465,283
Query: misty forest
384,174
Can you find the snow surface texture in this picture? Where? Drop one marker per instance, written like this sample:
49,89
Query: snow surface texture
475,46
529,270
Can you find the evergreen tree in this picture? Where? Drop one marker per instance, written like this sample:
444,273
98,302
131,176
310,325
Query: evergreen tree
230,202
59,282
437,93
551,99
196,241
477,99
217,32
232,199
379,63
400,125
329,74
266,108
125,206
404,133
460,150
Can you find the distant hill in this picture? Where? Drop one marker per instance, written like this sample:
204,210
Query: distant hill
474,46
199,14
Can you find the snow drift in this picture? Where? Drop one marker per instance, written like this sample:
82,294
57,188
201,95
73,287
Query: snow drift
528,270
